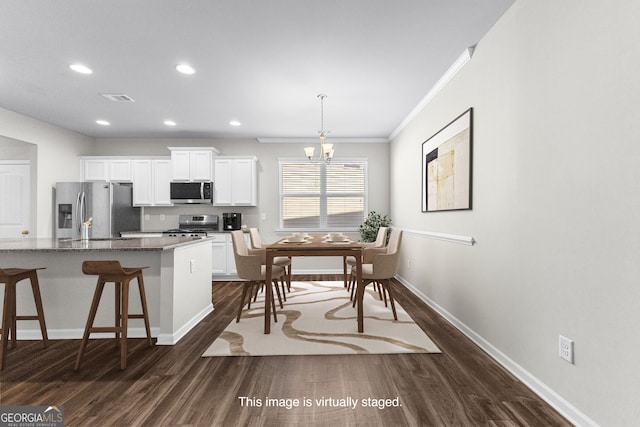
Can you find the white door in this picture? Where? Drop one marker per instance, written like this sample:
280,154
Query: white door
14,199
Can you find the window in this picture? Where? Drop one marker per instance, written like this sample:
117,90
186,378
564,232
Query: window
321,196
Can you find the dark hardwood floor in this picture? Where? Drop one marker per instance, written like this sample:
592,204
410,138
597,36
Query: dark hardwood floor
174,386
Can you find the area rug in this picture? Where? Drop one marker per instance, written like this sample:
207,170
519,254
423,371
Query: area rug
318,318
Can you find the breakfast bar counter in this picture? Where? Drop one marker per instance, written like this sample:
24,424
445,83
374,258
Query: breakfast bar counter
106,244
177,283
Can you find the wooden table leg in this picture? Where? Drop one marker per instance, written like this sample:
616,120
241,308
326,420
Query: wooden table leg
267,292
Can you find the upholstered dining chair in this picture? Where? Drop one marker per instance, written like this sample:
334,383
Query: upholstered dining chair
281,261
381,241
383,267
252,269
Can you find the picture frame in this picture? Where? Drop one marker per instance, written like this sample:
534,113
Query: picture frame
447,166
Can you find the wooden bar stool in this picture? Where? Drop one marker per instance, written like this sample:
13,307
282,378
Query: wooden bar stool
112,271
10,277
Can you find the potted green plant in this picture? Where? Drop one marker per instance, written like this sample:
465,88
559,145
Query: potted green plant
369,228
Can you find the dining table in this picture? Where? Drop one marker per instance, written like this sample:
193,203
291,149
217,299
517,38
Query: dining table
314,245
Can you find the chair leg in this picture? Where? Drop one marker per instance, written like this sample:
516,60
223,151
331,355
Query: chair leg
387,286
273,302
384,293
289,276
125,323
352,284
92,315
275,282
344,270
35,288
7,314
284,293
245,291
13,328
145,311
118,312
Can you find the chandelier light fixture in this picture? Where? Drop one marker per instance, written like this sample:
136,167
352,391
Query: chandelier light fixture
326,150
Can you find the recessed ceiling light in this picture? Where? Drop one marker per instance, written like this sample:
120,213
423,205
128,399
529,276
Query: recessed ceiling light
82,69
235,123
185,69
103,122
169,123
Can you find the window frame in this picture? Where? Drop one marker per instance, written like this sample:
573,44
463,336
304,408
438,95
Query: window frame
323,194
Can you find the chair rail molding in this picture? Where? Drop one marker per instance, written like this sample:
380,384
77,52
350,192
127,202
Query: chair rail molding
453,238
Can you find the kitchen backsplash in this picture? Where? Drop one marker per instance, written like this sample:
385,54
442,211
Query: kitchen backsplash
166,217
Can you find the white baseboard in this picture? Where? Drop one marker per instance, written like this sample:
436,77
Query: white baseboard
172,339
162,339
76,334
560,404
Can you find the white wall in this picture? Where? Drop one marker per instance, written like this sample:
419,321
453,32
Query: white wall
55,159
556,201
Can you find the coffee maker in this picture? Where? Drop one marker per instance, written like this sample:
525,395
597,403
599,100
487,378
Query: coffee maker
231,221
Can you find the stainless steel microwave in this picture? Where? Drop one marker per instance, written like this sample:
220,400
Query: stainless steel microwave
192,193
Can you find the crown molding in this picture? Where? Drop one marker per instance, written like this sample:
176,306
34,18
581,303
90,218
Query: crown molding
307,140
446,77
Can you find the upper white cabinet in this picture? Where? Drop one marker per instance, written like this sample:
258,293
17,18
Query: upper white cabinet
192,164
151,182
235,182
105,169
120,170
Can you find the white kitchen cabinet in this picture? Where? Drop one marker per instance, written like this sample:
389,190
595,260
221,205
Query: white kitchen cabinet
95,169
180,165
120,170
235,181
223,262
101,168
142,182
151,178
162,182
192,164
219,254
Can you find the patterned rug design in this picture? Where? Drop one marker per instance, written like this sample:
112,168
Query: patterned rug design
318,319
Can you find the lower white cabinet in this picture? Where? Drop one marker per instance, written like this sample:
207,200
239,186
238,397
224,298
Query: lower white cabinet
223,262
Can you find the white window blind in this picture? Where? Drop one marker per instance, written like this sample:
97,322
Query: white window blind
320,196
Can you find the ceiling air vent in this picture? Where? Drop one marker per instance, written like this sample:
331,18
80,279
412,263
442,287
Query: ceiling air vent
118,97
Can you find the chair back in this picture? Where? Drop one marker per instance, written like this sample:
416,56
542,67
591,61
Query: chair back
381,238
394,241
248,266
102,267
385,266
256,240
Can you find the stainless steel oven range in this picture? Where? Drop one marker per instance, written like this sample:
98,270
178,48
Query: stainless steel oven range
194,226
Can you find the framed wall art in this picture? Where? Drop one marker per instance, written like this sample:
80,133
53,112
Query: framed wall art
446,166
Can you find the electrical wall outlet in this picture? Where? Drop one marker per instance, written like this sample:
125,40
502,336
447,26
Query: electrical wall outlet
192,265
566,349
408,264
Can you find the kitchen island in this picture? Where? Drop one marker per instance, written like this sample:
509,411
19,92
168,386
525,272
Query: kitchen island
177,283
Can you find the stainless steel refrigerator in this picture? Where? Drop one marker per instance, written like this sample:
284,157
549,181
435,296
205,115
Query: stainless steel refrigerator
110,205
